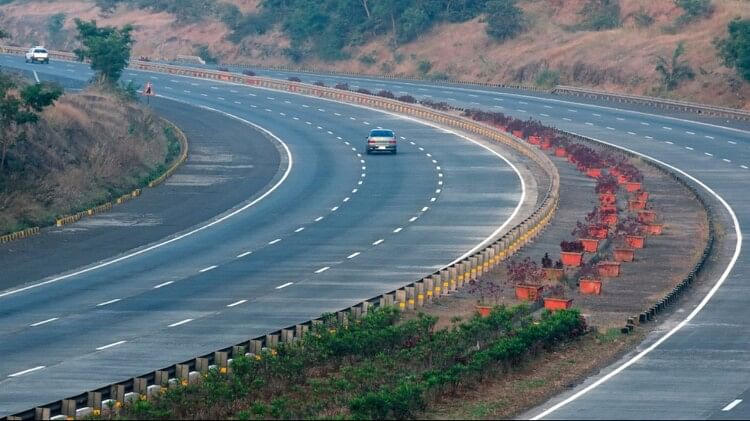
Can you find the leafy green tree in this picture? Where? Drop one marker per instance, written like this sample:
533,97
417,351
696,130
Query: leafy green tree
735,49
107,47
55,23
504,19
600,15
694,10
18,109
674,71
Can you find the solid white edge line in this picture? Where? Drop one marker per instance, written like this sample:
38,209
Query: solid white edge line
696,310
110,345
236,303
731,405
182,322
21,373
189,233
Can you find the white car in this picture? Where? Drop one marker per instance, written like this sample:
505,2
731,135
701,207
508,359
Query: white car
37,54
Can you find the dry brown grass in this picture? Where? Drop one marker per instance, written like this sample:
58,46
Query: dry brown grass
86,149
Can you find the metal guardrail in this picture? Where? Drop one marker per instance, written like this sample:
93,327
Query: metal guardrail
411,296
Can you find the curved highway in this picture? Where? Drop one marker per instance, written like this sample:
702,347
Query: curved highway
701,369
334,227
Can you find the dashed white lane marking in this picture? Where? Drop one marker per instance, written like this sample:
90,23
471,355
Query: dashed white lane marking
708,154
21,373
44,322
163,284
269,110
354,190
666,128
110,345
547,106
424,209
588,124
631,133
438,168
421,149
413,218
434,161
212,267
347,143
241,255
378,242
204,94
108,302
499,106
732,142
295,118
412,143
318,219
725,160
353,255
359,183
270,243
397,230
572,110
181,322
689,132
346,199
648,137
668,142
610,128
233,91
496,99
743,167
287,101
186,91
596,115
168,87
282,114
438,191
252,95
305,106
212,87
644,123
221,98
440,175
285,285
567,119
620,118
307,122
237,102
432,199
321,110
689,148
521,111
544,115
709,137
323,269
337,114
352,118
366,123
440,183
300,229
253,106
364,168
731,405
329,132
236,303
271,98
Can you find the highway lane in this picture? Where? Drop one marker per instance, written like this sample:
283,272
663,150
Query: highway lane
702,370
337,231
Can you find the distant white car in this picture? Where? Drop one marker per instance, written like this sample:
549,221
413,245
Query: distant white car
37,54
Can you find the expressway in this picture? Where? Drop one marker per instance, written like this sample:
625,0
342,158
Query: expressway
332,227
701,370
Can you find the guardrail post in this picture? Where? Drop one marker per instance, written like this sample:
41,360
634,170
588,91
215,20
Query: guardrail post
220,359
300,330
429,288
401,298
68,407
201,365
41,413
445,278
453,278
272,340
139,385
94,400
181,371
161,377
419,286
410,297
117,392
287,335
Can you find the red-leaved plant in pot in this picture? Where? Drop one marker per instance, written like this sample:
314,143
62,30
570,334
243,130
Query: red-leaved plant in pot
571,253
527,277
581,231
560,143
606,188
596,225
488,293
553,271
632,231
621,251
588,279
555,300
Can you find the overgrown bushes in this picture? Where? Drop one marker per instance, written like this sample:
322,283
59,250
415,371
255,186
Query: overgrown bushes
379,367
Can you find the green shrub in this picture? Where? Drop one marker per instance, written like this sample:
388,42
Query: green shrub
547,78
693,10
424,67
202,51
504,19
735,49
642,18
599,15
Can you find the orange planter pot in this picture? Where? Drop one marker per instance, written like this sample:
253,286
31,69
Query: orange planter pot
622,179
635,241
552,274
594,172
624,254
571,258
546,144
610,219
590,245
636,205
654,229
632,186
607,198
599,233
561,152
590,286
484,311
614,171
571,159
646,216
558,303
503,128
608,269
517,133
535,140
641,195
529,292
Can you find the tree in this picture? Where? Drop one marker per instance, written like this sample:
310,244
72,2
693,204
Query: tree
735,49
107,47
504,19
18,109
693,10
675,71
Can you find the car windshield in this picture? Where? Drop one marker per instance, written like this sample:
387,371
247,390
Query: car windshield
381,133
39,50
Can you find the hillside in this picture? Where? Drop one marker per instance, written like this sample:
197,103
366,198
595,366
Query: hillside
620,59
85,150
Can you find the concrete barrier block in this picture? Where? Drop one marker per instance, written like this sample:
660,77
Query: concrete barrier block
453,278
272,340
401,298
287,335
410,297
84,412
181,371
131,397
161,377
108,406
139,385
117,392
365,306
255,346
94,400
41,413
194,377
153,391
221,358
201,365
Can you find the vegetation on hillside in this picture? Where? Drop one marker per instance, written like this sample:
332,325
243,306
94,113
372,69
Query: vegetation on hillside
107,47
735,49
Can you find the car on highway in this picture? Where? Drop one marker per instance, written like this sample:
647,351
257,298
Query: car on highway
37,54
381,140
